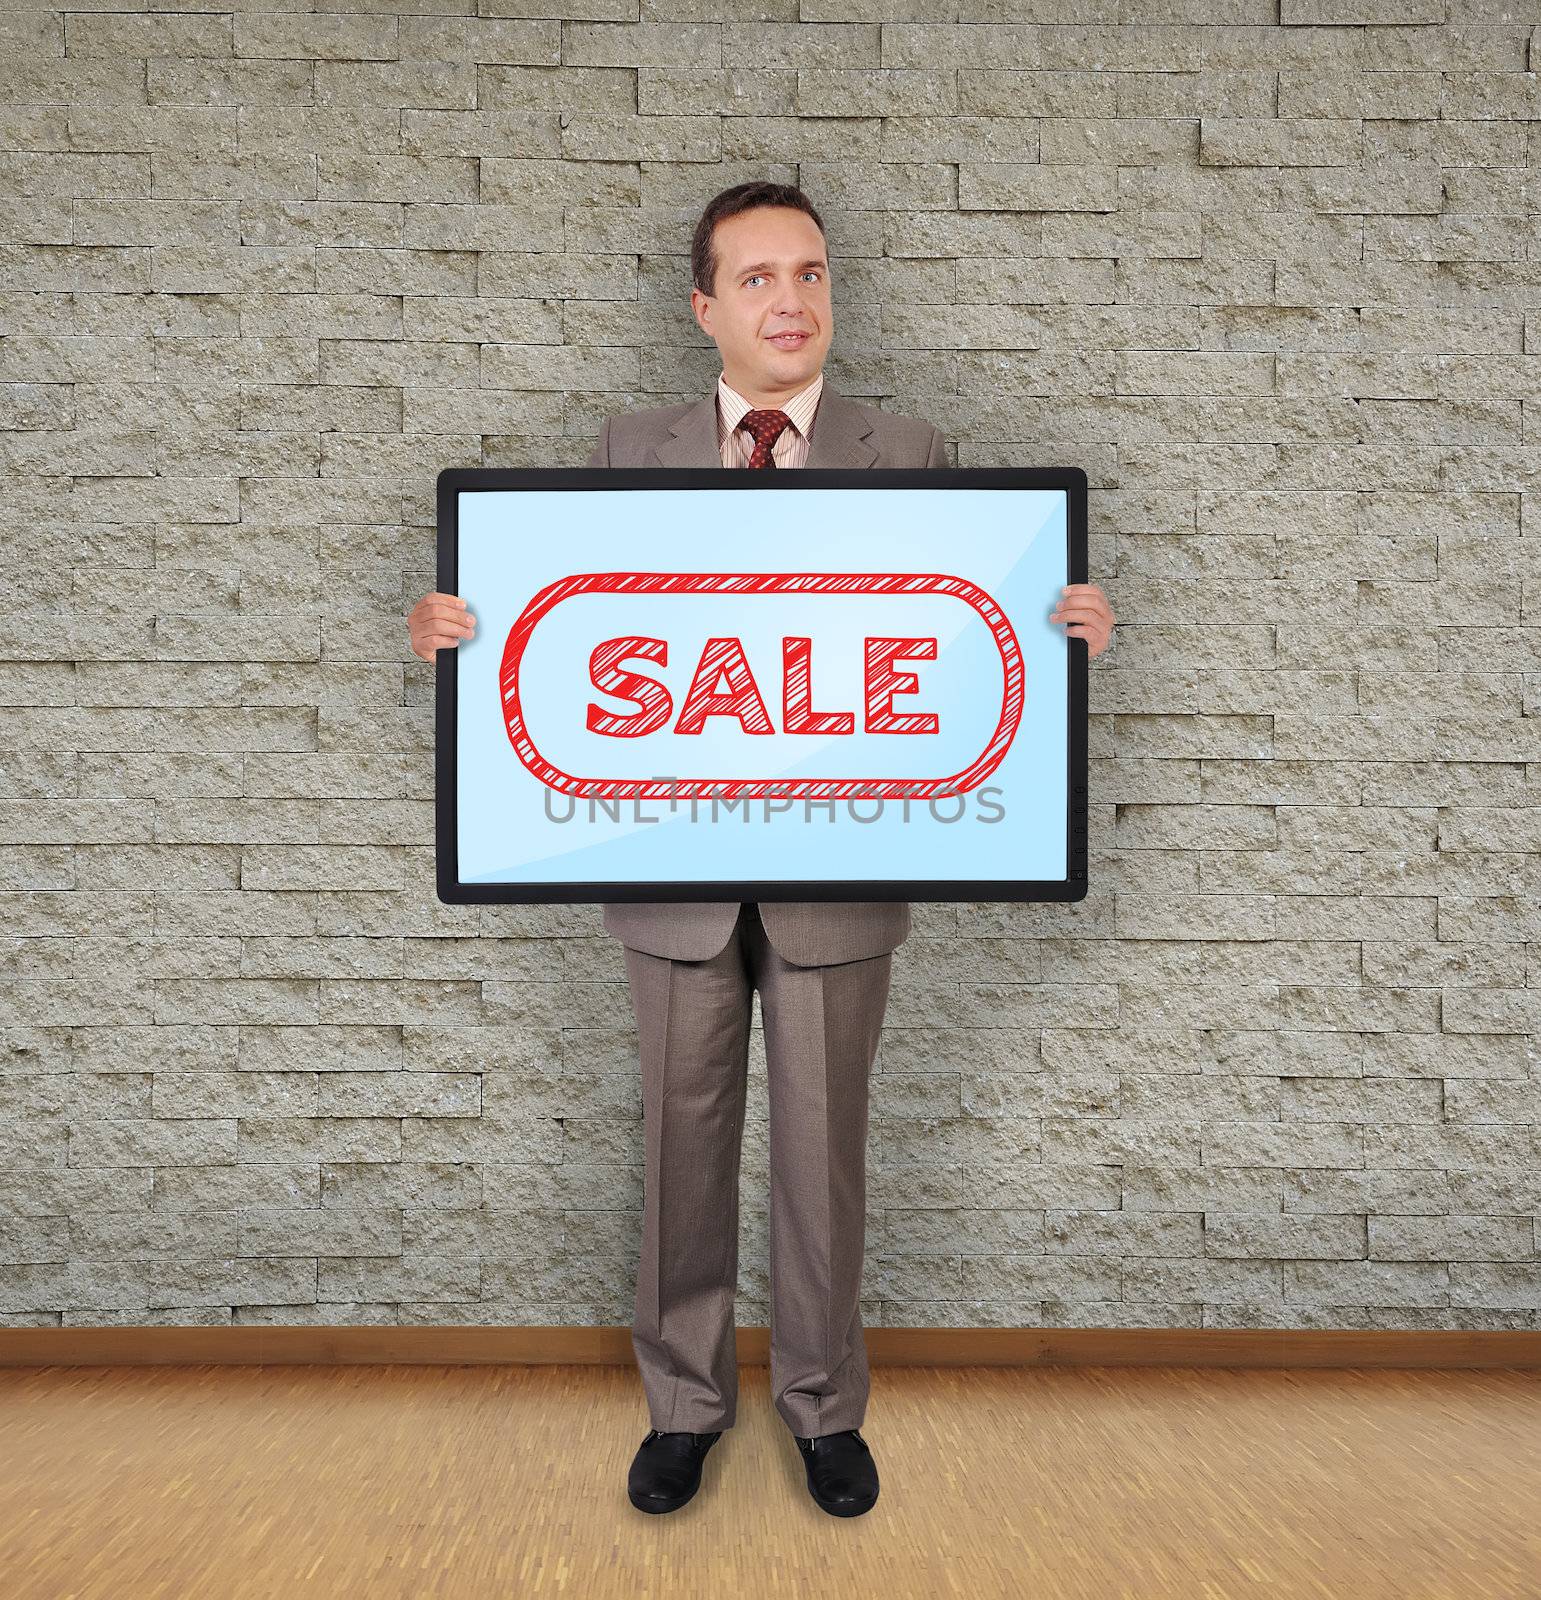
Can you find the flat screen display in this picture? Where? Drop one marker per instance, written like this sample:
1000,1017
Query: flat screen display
687,683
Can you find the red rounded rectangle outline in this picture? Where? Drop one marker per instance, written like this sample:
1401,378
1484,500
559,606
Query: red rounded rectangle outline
842,583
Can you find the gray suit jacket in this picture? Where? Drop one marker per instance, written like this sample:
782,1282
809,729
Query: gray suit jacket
844,433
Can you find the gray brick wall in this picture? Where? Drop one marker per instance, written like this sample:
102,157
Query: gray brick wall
1270,270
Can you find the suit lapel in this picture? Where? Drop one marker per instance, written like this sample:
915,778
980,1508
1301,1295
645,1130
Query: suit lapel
839,437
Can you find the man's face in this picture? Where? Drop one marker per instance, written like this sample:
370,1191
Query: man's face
772,276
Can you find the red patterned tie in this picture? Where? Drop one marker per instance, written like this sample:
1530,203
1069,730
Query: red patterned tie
766,426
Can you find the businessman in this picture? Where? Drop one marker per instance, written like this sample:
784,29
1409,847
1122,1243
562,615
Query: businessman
761,292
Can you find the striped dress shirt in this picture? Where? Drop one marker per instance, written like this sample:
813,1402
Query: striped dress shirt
736,444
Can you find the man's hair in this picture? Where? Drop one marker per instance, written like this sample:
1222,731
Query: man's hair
742,197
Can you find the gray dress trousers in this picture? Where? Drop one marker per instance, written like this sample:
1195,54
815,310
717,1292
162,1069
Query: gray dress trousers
822,1025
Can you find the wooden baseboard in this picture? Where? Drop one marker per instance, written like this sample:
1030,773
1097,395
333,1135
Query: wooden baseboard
925,1347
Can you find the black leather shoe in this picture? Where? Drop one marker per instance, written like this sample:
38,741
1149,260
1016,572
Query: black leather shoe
667,1469
842,1476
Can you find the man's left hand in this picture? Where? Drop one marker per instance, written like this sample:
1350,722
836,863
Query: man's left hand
1084,607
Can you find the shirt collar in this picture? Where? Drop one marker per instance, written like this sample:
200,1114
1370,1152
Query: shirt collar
732,406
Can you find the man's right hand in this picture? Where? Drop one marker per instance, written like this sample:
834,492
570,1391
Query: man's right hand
439,622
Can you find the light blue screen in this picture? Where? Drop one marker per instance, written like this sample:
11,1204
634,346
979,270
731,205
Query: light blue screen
1010,542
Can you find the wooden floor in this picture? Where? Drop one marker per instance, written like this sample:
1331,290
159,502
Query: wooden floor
288,1482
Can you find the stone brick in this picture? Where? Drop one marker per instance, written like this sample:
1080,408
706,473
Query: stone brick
1270,283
